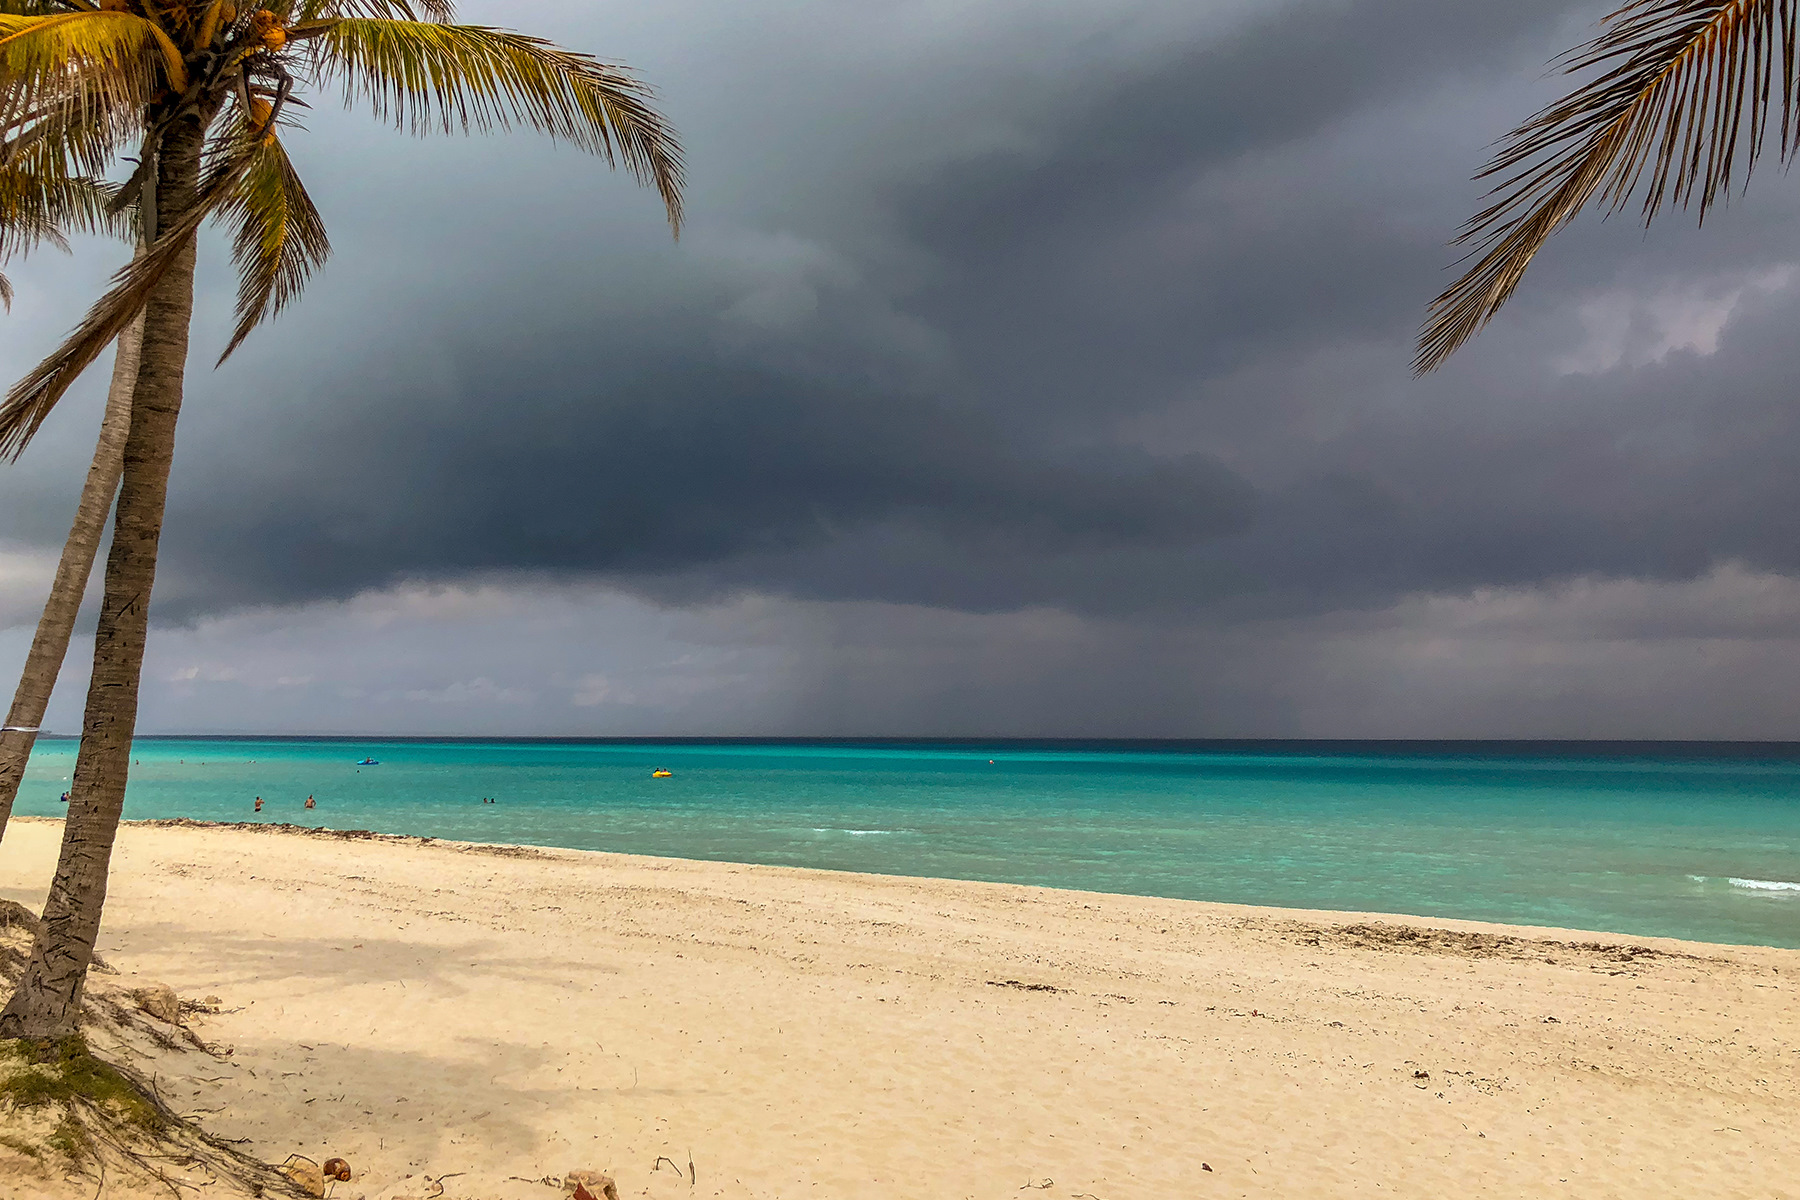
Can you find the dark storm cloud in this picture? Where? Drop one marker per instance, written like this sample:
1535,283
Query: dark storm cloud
1107,259
688,463
1123,329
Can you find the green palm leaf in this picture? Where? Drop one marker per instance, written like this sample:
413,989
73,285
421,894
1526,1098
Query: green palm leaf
279,241
80,82
430,77
397,10
32,398
1680,111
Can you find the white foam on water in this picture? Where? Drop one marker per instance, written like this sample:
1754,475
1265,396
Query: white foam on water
853,832
1766,885
1698,878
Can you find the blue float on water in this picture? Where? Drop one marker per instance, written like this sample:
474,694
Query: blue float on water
368,762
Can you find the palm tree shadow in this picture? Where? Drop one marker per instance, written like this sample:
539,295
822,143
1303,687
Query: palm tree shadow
365,1052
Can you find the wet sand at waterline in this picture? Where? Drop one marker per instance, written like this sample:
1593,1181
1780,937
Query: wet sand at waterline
496,1016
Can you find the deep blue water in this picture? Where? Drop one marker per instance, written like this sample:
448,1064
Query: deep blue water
1684,841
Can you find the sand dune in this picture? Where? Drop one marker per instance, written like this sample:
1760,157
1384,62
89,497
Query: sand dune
493,1018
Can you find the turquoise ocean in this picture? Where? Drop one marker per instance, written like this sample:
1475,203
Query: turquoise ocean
1682,840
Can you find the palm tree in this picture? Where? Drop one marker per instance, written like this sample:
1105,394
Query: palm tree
56,626
201,89
35,209
1680,107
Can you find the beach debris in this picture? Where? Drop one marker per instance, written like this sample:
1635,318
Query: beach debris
1036,1186
1024,987
590,1185
338,1169
307,1175
160,1001
1207,1167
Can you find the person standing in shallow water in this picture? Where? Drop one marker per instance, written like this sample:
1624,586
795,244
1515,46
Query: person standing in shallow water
310,803
259,804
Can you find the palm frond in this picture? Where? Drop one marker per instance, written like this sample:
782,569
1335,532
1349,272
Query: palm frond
1680,111
37,208
31,400
89,41
442,11
280,238
80,81
447,78
69,135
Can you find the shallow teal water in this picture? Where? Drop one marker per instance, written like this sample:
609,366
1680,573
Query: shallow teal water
1691,842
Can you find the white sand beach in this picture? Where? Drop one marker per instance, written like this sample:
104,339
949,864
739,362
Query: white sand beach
484,1019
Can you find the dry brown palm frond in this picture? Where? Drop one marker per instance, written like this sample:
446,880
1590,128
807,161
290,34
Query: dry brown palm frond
1679,113
31,400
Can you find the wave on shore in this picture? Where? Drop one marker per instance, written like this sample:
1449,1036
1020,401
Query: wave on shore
1766,885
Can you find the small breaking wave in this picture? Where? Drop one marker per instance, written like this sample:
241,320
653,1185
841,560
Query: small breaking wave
853,832
1766,885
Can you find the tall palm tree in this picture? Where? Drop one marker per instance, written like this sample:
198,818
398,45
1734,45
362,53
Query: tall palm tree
1679,111
35,209
200,89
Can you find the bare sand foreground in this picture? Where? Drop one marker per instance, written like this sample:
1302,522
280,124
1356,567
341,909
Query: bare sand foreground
489,1018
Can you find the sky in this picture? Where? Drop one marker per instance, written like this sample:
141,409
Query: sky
1026,368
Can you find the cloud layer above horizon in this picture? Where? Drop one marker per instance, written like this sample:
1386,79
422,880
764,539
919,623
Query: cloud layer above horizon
1025,368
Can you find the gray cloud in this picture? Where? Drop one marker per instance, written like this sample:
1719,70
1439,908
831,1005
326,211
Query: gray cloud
1007,310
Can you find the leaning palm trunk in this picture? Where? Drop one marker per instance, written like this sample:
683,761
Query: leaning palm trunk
51,644
49,995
